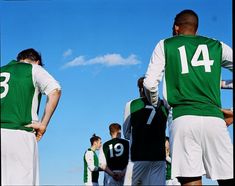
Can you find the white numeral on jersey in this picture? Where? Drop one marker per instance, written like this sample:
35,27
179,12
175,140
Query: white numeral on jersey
202,50
4,84
152,114
117,150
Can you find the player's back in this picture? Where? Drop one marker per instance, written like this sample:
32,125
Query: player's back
116,152
192,75
148,131
17,92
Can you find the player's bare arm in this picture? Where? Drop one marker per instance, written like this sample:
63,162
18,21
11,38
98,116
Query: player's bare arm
228,116
51,104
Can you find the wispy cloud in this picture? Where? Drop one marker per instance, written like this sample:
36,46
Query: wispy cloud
67,53
106,60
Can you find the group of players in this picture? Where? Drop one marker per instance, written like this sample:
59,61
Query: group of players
199,140
148,150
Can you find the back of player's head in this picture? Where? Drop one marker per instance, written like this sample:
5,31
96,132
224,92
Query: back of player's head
167,138
140,84
94,138
30,54
114,127
187,19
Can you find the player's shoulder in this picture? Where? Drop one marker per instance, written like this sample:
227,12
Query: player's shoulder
123,141
136,101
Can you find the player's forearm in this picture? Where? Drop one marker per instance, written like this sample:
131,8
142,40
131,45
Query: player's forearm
227,84
107,170
51,104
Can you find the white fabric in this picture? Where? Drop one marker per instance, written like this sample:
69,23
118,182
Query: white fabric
145,173
19,158
155,73
44,80
44,83
201,145
92,184
102,158
173,182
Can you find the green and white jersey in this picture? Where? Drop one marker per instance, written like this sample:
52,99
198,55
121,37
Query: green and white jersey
91,167
168,168
114,154
145,125
21,86
191,66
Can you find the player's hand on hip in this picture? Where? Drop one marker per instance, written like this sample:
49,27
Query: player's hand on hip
39,128
228,116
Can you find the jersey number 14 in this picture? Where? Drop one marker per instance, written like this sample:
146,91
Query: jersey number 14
205,61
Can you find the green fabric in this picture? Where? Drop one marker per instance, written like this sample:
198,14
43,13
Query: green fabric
94,174
18,92
168,170
196,91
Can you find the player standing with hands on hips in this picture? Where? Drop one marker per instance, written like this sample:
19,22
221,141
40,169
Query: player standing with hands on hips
22,83
191,65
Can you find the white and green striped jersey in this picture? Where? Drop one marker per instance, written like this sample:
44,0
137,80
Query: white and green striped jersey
191,66
114,154
91,167
21,87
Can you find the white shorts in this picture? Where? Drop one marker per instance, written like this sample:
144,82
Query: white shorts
109,181
201,146
19,158
145,173
173,182
91,184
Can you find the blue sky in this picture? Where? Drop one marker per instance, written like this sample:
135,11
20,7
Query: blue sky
97,49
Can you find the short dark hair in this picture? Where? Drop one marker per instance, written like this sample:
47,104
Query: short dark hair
167,138
94,138
31,54
140,82
113,127
187,18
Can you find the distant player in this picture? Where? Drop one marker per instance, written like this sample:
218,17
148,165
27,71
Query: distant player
144,125
114,155
91,162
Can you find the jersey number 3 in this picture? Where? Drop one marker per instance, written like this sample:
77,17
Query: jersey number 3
4,83
201,50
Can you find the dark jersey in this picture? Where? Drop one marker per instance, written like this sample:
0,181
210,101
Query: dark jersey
146,126
115,153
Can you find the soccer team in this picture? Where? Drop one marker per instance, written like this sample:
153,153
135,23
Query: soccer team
198,144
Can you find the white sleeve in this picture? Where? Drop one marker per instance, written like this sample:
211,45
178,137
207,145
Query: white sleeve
44,80
102,159
89,156
227,56
155,73
127,123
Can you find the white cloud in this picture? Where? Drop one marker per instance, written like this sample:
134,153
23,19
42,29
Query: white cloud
68,53
107,60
